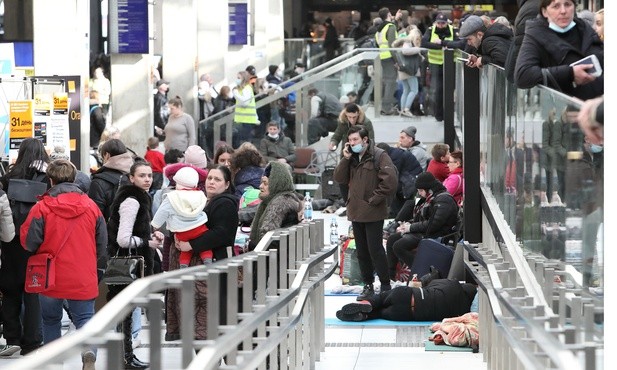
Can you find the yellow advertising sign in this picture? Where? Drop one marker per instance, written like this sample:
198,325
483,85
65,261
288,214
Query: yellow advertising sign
61,102
21,114
42,104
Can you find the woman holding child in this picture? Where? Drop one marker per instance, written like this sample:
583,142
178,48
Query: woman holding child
222,211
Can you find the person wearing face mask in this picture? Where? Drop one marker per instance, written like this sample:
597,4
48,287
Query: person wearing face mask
552,42
277,147
245,115
372,180
440,36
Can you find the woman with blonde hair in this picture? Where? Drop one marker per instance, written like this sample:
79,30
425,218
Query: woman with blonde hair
245,115
408,64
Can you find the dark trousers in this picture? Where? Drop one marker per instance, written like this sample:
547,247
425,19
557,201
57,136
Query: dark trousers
25,331
401,248
437,88
394,305
371,255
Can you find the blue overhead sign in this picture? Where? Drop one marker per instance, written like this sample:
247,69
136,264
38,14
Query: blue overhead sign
133,26
238,24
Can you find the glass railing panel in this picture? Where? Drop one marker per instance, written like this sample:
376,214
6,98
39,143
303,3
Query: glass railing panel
290,104
545,176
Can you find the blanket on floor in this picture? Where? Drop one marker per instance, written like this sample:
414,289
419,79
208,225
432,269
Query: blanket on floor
461,331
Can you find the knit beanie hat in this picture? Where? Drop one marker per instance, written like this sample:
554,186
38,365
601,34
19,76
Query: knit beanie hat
186,177
196,156
58,153
425,181
410,131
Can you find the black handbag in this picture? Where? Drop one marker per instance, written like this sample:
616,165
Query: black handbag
123,270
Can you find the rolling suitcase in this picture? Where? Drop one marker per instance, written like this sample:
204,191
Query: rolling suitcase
432,253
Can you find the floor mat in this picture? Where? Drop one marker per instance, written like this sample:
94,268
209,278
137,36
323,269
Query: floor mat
430,346
332,321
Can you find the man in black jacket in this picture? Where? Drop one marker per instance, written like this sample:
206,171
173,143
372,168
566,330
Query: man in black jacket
439,299
492,42
435,215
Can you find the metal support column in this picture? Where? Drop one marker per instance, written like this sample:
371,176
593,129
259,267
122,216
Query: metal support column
471,153
449,86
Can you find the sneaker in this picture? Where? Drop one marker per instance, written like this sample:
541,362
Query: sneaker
9,350
351,317
88,359
359,307
367,292
432,275
183,266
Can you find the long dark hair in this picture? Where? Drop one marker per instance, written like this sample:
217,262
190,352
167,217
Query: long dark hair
31,158
231,189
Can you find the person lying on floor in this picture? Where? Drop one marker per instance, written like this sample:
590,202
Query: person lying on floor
440,299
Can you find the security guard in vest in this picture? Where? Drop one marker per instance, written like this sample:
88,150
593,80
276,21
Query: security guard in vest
245,115
436,38
385,36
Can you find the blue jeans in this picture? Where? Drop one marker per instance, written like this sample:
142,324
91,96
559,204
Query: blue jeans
410,90
51,311
136,326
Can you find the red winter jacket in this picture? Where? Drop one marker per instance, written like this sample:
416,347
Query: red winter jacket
66,210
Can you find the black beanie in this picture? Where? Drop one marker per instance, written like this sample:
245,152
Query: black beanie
425,181
272,69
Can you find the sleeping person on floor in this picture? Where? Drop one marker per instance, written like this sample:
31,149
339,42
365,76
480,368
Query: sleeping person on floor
439,299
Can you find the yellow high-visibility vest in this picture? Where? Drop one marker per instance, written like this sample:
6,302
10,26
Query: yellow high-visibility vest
247,114
435,56
382,41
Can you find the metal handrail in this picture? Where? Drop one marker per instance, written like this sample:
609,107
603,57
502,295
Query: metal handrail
305,244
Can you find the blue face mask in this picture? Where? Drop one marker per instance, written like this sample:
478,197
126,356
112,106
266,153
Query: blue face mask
596,148
238,82
357,148
558,29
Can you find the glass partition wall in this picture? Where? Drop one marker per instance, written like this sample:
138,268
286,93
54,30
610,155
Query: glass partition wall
546,178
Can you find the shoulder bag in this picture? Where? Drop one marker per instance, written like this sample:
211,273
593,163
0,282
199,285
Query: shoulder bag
41,270
123,270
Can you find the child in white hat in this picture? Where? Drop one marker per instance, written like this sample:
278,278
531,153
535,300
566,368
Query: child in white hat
182,211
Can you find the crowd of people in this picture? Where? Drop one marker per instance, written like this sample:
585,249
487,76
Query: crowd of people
179,208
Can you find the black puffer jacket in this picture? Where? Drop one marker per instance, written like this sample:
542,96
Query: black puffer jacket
107,179
141,227
496,44
545,48
437,215
222,211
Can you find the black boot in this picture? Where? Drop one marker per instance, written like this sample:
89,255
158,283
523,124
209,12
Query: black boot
130,361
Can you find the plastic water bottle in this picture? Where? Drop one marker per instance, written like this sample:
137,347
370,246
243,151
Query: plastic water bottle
415,283
334,239
308,207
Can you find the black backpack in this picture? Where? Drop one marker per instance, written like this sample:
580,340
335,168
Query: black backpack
22,195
